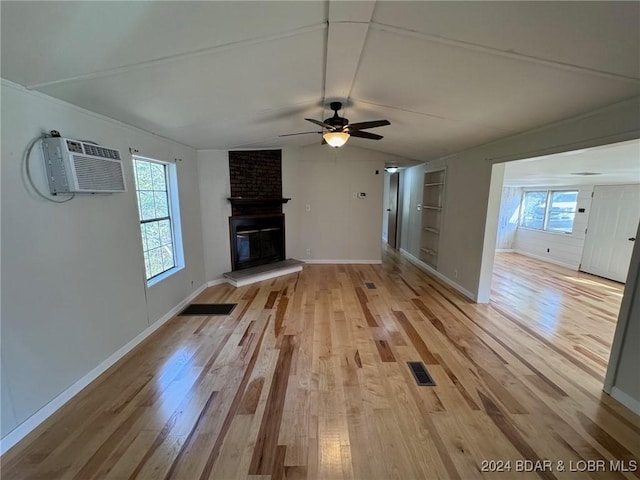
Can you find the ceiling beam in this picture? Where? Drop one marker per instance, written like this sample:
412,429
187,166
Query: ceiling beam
348,27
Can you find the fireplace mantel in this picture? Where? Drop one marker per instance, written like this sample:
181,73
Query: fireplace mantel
257,200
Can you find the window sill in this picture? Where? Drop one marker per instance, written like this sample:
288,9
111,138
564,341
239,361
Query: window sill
550,232
163,276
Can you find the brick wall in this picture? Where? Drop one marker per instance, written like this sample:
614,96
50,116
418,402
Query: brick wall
256,173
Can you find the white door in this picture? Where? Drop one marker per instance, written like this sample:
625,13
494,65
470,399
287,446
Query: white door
613,222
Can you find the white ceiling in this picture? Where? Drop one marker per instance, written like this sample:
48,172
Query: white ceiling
616,164
222,75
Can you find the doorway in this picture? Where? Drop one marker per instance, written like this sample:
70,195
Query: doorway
392,210
563,219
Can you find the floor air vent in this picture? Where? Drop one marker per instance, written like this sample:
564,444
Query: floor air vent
209,309
421,374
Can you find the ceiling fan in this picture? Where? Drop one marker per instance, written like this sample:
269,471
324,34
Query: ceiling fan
338,129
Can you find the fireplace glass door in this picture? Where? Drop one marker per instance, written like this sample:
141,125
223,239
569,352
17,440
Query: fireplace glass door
257,241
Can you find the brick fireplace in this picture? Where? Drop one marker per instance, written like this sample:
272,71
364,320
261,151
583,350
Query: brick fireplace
257,224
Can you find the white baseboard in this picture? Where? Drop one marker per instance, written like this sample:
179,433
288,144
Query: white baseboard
50,408
548,260
342,261
505,250
626,400
419,263
241,282
217,281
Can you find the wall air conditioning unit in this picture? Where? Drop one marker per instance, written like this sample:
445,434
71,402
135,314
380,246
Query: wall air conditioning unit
80,167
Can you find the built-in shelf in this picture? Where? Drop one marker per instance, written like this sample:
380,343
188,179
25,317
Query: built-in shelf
432,206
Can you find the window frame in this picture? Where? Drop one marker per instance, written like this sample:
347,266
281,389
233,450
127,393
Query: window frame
550,206
173,210
547,209
522,205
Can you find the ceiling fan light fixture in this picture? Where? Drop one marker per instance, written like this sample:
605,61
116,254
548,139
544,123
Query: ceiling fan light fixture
336,139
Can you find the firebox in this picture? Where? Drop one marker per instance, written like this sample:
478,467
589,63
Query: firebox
256,240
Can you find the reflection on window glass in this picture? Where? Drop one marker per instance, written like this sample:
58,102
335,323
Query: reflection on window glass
155,217
562,211
533,210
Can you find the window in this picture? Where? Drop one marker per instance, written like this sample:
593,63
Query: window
562,210
549,210
159,218
533,207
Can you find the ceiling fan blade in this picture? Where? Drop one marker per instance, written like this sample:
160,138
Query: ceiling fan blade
322,124
370,136
372,124
292,134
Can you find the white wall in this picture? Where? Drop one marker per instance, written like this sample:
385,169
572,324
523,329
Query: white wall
411,190
405,209
294,209
509,216
564,249
214,186
73,286
339,226
490,234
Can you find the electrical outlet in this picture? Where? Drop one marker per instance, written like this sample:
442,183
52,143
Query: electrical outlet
308,252
548,250
308,207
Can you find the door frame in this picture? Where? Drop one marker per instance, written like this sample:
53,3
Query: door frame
393,176
628,299
589,241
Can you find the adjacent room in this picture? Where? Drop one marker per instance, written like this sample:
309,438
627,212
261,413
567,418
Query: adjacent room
320,239
566,232
577,209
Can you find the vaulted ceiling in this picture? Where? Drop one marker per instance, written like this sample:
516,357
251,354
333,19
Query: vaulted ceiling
228,75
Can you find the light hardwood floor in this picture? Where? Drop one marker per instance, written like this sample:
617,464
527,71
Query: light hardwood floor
307,378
